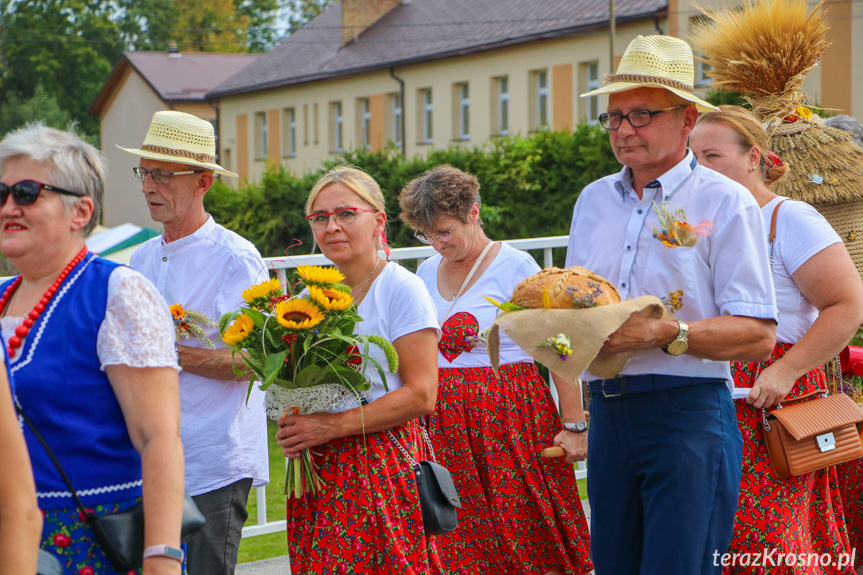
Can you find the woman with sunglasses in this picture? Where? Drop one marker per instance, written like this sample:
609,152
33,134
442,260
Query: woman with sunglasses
367,517
521,514
91,346
820,299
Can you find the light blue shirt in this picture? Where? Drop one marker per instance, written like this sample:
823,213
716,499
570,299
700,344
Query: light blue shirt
725,273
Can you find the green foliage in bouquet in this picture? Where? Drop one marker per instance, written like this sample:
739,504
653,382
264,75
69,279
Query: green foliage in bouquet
301,348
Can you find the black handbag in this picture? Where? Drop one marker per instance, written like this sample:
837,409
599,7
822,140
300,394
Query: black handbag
121,535
439,500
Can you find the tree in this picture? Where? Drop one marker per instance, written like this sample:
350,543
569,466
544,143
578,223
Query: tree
67,46
42,107
303,11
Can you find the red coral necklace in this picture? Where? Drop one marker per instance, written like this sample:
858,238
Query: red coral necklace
22,330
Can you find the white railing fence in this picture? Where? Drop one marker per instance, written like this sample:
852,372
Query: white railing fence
283,264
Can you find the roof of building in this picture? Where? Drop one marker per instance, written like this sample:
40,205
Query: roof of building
421,30
175,77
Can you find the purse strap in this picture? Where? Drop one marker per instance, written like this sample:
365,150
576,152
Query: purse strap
400,447
54,460
771,238
467,279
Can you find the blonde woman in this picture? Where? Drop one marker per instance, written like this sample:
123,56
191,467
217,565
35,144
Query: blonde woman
367,517
820,300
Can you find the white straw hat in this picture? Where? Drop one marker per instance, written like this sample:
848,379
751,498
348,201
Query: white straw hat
183,138
655,62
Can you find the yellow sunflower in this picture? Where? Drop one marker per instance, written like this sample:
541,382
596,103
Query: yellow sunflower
319,276
239,329
177,311
330,299
298,314
263,291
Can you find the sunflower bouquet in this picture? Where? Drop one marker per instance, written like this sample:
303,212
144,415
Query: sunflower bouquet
191,324
301,348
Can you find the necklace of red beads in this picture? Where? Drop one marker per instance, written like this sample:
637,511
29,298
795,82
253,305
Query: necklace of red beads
22,330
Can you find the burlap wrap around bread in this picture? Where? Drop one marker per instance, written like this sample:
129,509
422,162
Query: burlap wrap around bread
587,328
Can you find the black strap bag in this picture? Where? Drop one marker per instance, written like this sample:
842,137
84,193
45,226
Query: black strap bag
439,498
121,535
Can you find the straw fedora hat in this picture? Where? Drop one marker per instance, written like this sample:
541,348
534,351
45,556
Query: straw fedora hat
183,138
655,62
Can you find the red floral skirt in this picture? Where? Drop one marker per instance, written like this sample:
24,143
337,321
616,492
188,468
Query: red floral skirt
367,518
793,515
851,486
522,513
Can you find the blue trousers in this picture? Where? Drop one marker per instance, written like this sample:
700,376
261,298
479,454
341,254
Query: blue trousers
665,469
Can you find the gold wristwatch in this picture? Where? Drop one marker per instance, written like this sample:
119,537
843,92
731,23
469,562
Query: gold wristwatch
680,344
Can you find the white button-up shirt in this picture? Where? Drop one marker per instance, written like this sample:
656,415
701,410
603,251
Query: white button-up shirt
224,439
725,273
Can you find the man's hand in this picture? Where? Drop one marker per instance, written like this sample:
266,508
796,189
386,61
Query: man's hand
641,332
573,444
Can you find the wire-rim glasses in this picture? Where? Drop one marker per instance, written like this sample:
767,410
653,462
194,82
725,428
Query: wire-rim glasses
26,192
636,118
343,217
438,237
159,176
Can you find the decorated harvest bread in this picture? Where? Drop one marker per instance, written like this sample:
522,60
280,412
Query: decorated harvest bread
571,288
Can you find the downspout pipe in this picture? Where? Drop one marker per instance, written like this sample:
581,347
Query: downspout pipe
404,115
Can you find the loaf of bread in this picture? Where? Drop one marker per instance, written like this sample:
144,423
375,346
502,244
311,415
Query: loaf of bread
570,288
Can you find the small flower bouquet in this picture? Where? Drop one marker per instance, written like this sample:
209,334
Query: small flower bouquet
675,231
191,324
302,350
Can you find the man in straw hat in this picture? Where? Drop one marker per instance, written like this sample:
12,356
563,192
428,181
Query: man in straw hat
664,447
204,267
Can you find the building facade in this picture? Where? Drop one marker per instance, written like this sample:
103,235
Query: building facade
426,74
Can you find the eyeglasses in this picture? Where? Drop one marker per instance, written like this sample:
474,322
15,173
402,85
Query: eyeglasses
159,176
25,192
343,217
438,237
636,118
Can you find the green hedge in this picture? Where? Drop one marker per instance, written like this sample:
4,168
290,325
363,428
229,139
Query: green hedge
528,188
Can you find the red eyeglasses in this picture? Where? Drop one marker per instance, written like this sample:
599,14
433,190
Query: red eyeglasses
343,217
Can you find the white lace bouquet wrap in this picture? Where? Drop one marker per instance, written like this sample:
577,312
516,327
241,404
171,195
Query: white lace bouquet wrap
323,398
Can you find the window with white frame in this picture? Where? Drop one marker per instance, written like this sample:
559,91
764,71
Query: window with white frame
397,119
592,101
463,100
426,111
261,135
502,124
365,114
542,100
336,128
289,132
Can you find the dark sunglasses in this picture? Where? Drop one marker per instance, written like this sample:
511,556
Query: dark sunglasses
25,192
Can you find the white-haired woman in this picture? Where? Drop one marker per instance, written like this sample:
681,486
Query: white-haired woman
367,517
91,346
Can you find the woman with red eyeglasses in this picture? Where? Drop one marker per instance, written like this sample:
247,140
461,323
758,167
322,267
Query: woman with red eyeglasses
367,517
91,348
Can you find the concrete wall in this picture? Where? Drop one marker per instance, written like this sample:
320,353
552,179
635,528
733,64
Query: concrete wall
124,121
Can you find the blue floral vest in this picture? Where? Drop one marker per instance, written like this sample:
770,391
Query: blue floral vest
58,383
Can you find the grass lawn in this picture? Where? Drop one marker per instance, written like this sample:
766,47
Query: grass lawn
274,544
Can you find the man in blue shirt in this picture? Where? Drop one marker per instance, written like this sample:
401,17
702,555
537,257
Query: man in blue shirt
664,447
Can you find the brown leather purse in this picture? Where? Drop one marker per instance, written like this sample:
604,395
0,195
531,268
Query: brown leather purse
815,434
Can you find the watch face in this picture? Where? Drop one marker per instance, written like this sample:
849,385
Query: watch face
580,425
678,347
